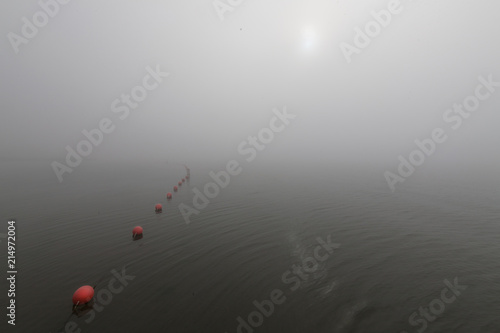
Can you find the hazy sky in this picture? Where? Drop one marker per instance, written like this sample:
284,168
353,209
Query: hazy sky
226,76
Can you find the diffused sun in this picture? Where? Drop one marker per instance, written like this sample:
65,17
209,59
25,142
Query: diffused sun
309,38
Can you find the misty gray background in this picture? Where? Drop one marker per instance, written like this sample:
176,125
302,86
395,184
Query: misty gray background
227,76
323,175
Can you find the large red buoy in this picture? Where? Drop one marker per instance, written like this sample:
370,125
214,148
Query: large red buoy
83,295
183,180
158,208
179,183
169,195
175,188
137,231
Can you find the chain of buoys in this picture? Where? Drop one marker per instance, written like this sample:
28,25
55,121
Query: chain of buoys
175,188
85,294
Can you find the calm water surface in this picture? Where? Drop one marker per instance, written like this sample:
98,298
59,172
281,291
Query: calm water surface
395,252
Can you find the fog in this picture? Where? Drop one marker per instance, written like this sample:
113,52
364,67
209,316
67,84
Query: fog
225,78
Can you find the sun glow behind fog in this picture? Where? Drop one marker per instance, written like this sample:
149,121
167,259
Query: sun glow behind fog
309,38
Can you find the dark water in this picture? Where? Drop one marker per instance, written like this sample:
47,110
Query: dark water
395,252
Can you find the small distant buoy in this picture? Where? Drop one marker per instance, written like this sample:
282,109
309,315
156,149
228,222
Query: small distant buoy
179,183
158,208
83,295
169,195
137,231
175,188
187,177
183,180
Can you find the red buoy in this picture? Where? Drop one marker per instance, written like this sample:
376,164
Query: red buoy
175,188
179,183
137,231
183,180
83,295
158,208
169,195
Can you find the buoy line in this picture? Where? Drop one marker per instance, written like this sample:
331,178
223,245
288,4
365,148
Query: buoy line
83,297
